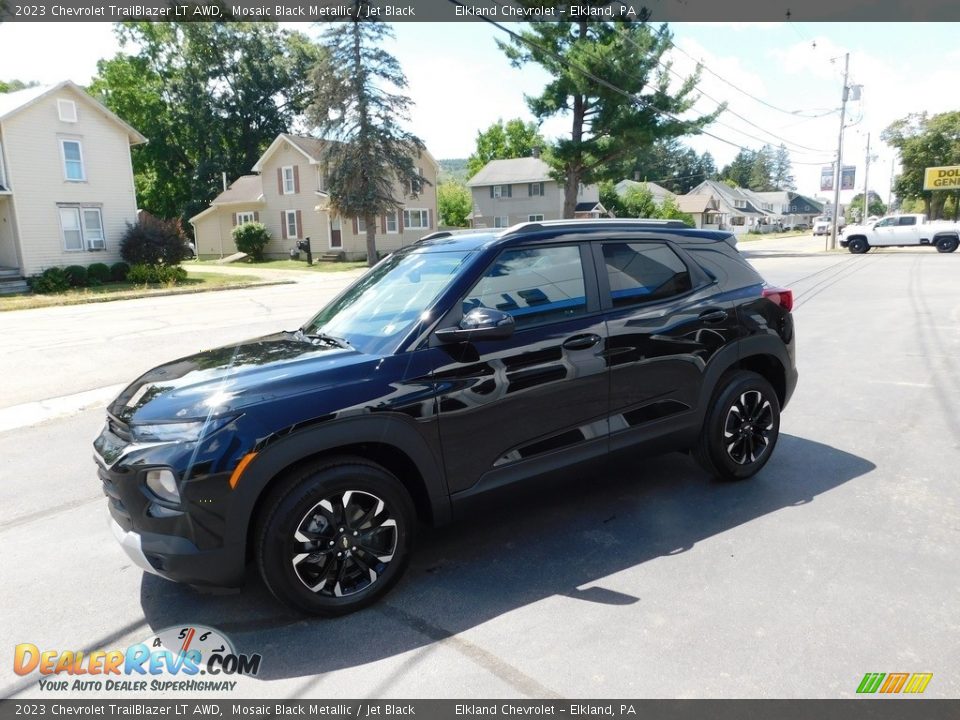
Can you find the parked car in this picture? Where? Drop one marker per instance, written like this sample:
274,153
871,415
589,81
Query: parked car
454,367
902,231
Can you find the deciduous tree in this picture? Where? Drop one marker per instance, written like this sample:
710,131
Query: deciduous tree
503,141
454,204
925,141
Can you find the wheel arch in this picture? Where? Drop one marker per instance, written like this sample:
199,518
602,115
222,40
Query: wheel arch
390,442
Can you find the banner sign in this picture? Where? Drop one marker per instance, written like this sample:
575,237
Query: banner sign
942,178
847,177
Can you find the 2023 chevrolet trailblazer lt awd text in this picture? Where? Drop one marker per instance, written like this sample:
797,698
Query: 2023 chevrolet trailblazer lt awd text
464,363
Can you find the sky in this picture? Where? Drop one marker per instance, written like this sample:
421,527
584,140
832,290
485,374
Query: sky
461,82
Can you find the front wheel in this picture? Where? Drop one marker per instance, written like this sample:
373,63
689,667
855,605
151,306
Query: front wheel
858,246
336,536
741,427
947,244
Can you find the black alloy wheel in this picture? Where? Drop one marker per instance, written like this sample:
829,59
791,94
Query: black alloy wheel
858,246
741,428
947,244
335,536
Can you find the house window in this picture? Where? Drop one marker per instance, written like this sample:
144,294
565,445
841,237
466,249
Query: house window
362,225
500,191
289,184
414,219
535,218
416,184
739,203
67,109
501,221
392,222
293,231
245,217
737,220
82,228
536,189
72,160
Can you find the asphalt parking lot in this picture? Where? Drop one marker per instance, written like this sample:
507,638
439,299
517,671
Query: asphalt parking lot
644,579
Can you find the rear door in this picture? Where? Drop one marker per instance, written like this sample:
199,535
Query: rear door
537,400
665,321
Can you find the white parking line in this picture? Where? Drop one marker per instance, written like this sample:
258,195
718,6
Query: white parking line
38,411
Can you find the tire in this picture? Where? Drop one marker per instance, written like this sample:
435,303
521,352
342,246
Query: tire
947,244
858,246
335,537
744,408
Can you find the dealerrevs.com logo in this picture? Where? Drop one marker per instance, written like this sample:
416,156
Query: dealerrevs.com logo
180,659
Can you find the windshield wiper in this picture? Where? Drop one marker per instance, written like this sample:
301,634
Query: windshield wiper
320,336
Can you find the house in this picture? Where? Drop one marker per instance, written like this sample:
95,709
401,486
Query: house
789,208
734,209
507,192
703,207
660,194
66,180
287,192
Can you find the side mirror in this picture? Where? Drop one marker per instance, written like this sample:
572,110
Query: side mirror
480,323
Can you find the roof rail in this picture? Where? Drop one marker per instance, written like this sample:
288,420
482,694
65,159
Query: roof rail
435,235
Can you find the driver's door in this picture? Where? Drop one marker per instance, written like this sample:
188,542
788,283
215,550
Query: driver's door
516,407
883,232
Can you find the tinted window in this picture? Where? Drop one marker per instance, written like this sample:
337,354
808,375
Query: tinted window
534,285
640,272
907,220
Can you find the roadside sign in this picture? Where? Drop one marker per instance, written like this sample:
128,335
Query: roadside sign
942,178
847,177
826,178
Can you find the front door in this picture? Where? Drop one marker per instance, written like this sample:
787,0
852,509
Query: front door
336,239
538,400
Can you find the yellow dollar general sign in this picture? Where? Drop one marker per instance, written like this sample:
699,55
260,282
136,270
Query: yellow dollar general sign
942,178
891,683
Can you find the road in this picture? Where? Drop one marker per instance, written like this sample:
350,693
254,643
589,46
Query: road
642,581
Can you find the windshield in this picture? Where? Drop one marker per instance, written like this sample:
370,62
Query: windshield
381,307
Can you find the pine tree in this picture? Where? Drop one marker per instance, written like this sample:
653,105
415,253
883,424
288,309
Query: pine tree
359,108
782,176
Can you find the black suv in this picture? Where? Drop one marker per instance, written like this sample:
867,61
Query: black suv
458,365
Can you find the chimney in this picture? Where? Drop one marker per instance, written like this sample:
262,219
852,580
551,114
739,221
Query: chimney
535,151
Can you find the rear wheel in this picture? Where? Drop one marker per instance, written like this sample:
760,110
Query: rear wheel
947,244
741,427
336,537
858,246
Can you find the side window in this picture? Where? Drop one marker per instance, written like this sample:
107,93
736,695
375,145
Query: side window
534,285
885,223
907,220
641,272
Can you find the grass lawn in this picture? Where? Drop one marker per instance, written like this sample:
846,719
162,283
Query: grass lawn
285,265
197,282
749,237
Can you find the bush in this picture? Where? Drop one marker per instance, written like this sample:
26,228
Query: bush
119,271
156,274
152,241
251,238
98,274
77,275
53,280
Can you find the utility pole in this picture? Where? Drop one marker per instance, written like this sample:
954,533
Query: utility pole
893,162
866,184
837,174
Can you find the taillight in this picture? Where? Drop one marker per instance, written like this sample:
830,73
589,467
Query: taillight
781,296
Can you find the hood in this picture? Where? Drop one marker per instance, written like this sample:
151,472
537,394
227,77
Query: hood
225,380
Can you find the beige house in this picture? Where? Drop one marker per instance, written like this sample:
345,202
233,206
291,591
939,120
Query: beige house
507,192
66,181
288,195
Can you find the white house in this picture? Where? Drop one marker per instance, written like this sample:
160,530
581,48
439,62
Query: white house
66,180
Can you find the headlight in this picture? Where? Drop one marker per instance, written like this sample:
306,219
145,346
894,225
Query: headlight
163,484
178,431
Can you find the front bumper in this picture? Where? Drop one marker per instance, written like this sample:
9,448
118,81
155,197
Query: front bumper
844,242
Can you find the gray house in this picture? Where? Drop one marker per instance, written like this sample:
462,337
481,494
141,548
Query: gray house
507,192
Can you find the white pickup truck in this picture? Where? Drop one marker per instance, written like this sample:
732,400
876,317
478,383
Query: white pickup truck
902,231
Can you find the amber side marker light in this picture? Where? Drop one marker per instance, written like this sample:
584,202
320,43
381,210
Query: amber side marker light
241,466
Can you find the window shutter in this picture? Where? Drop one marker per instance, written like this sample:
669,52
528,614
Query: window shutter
299,224
383,224
234,219
296,179
509,190
400,220
356,227
491,191
429,219
280,180
256,216
530,189
283,224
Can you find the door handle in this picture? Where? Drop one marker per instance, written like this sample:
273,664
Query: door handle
713,316
581,342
